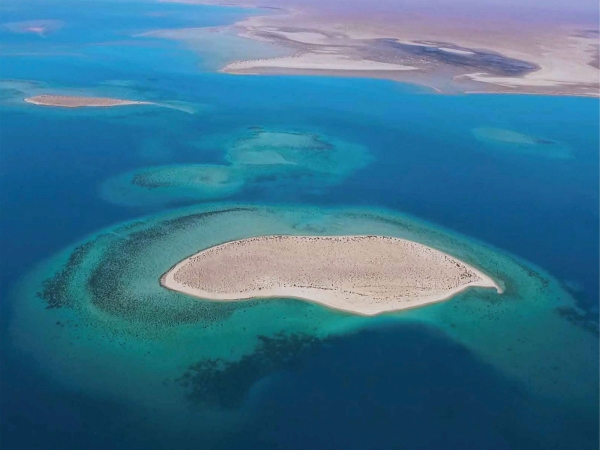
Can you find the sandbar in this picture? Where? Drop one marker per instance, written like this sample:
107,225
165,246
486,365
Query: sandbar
69,101
39,27
364,275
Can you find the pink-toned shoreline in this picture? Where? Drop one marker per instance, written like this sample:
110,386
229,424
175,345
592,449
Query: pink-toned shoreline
326,40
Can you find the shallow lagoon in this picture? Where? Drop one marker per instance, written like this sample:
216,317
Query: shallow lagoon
451,368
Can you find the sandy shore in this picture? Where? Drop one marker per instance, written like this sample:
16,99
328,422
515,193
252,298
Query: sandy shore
68,101
365,275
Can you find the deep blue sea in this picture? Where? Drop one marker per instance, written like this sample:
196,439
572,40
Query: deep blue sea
385,387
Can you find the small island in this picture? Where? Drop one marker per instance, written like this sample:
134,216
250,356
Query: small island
365,275
69,101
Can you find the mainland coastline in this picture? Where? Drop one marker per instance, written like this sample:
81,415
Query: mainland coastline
365,275
496,52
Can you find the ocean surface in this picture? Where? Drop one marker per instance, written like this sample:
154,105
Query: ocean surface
508,182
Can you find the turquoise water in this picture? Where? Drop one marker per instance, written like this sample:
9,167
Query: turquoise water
118,362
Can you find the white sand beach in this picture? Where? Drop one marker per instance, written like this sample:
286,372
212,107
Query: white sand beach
364,275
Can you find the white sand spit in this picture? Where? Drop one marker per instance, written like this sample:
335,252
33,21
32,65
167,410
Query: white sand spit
364,275
316,61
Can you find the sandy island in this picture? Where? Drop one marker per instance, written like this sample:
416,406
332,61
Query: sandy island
365,275
68,101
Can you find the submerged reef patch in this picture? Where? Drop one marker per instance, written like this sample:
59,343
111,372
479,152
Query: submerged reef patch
55,290
502,140
262,159
225,384
586,320
107,268
109,283
175,183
